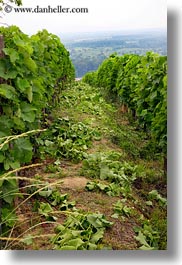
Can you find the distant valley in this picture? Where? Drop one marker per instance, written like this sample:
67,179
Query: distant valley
88,50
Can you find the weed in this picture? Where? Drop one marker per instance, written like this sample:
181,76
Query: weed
81,232
154,195
66,139
122,210
106,166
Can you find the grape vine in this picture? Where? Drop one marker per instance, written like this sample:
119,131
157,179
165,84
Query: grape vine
33,72
140,84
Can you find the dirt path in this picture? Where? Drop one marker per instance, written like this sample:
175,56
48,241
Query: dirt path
69,179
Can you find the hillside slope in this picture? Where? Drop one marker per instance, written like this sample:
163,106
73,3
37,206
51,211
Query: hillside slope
99,185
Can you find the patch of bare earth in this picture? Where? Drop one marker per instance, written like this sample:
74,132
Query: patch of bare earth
119,236
74,182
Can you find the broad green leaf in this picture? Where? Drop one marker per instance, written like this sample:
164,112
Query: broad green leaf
126,210
8,217
13,54
45,208
142,239
22,150
31,65
77,233
92,246
93,220
3,133
25,107
5,72
153,95
7,164
97,236
76,243
28,112
115,216
153,194
11,74
102,186
23,44
8,92
38,87
7,110
15,164
144,112
91,186
165,81
22,84
10,190
45,193
59,228
18,123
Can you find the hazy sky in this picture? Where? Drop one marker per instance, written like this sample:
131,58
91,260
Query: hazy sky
103,15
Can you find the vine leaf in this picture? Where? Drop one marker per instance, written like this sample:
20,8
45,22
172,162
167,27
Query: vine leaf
13,54
8,92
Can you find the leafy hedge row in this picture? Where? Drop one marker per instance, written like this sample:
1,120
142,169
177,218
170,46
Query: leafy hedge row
140,83
33,71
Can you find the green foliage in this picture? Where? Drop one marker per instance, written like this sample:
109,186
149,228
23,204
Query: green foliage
152,235
14,150
126,79
121,210
8,192
151,97
33,71
108,72
81,232
159,223
154,195
53,64
20,152
32,77
8,217
83,99
111,189
140,83
147,237
107,167
67,139
90,78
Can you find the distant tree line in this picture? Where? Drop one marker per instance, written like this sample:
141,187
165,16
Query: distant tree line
87,55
